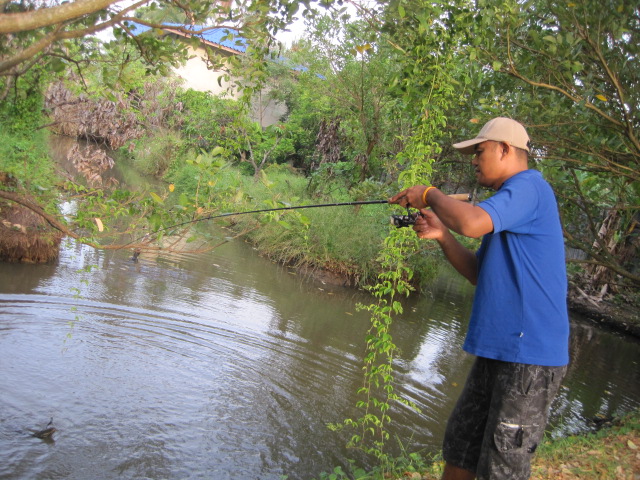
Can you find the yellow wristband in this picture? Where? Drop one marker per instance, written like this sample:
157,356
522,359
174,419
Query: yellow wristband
424,195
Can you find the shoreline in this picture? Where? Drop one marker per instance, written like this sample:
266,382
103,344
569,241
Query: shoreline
622,319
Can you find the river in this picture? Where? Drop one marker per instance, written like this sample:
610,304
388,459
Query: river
226,366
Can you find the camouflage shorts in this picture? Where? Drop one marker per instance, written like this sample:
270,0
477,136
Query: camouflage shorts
500,418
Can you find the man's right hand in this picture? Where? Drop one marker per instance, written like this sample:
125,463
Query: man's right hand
429,226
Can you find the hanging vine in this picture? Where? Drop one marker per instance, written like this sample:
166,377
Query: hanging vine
427,82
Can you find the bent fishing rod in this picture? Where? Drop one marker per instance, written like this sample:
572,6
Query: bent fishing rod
397,220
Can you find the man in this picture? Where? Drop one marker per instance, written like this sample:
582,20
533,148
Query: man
519,325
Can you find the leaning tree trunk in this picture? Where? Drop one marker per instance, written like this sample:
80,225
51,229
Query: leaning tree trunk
25,236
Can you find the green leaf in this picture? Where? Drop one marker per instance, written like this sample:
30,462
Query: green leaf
156,198
183,200
217,151
304,220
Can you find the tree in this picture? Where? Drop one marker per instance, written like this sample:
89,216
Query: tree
573,68
356,69
254,144
35,33
42,41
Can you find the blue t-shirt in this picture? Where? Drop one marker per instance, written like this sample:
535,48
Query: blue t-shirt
519,310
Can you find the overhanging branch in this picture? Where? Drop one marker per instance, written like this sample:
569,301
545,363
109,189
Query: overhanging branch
45,17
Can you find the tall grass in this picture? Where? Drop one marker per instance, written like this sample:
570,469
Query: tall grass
25,163
153,155
343,239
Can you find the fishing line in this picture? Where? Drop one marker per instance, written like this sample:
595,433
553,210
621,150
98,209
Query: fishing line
397,220
264,210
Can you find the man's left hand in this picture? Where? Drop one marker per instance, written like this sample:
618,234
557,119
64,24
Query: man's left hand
411,197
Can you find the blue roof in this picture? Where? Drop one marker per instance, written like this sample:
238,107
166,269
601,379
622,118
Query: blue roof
223,36
226,37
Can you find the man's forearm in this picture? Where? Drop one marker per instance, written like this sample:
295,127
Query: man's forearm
462,259
461,217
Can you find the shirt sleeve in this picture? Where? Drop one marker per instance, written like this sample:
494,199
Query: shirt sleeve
514,207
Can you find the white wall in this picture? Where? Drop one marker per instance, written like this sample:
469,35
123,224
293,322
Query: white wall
198,77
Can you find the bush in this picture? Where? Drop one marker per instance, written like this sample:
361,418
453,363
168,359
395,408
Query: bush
153,155
24,159
204,118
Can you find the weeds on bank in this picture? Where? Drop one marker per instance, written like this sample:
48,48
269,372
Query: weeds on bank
412,466
610,454
345,239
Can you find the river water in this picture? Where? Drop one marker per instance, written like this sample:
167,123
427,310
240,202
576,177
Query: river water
226,366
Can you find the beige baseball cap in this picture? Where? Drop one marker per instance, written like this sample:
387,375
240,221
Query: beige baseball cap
499,129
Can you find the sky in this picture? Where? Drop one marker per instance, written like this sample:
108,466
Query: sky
295,32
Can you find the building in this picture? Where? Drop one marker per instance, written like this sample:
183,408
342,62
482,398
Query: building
199,74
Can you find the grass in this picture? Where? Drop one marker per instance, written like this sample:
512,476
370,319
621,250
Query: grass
343,239
346,240
25,163
612,453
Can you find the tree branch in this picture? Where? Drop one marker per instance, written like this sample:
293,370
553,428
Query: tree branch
59,34
45,17
513,71
61,227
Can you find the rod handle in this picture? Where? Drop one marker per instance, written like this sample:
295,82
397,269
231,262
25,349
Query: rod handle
463,197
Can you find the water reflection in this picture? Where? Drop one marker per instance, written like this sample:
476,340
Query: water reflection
224,365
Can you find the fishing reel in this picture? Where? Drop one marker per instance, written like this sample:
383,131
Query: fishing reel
401,221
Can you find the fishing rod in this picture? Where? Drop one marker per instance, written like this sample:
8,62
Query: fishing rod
397,220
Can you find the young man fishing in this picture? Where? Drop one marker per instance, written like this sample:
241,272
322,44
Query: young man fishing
519,326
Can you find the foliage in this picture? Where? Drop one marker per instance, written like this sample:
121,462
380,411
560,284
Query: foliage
572,70
153,155
24,164
37,34
409,465
355,73
296,84
256,145
371,428
394,281
346,240
203,119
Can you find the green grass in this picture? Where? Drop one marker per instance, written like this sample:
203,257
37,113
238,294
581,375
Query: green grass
610,454
344,239
26,162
